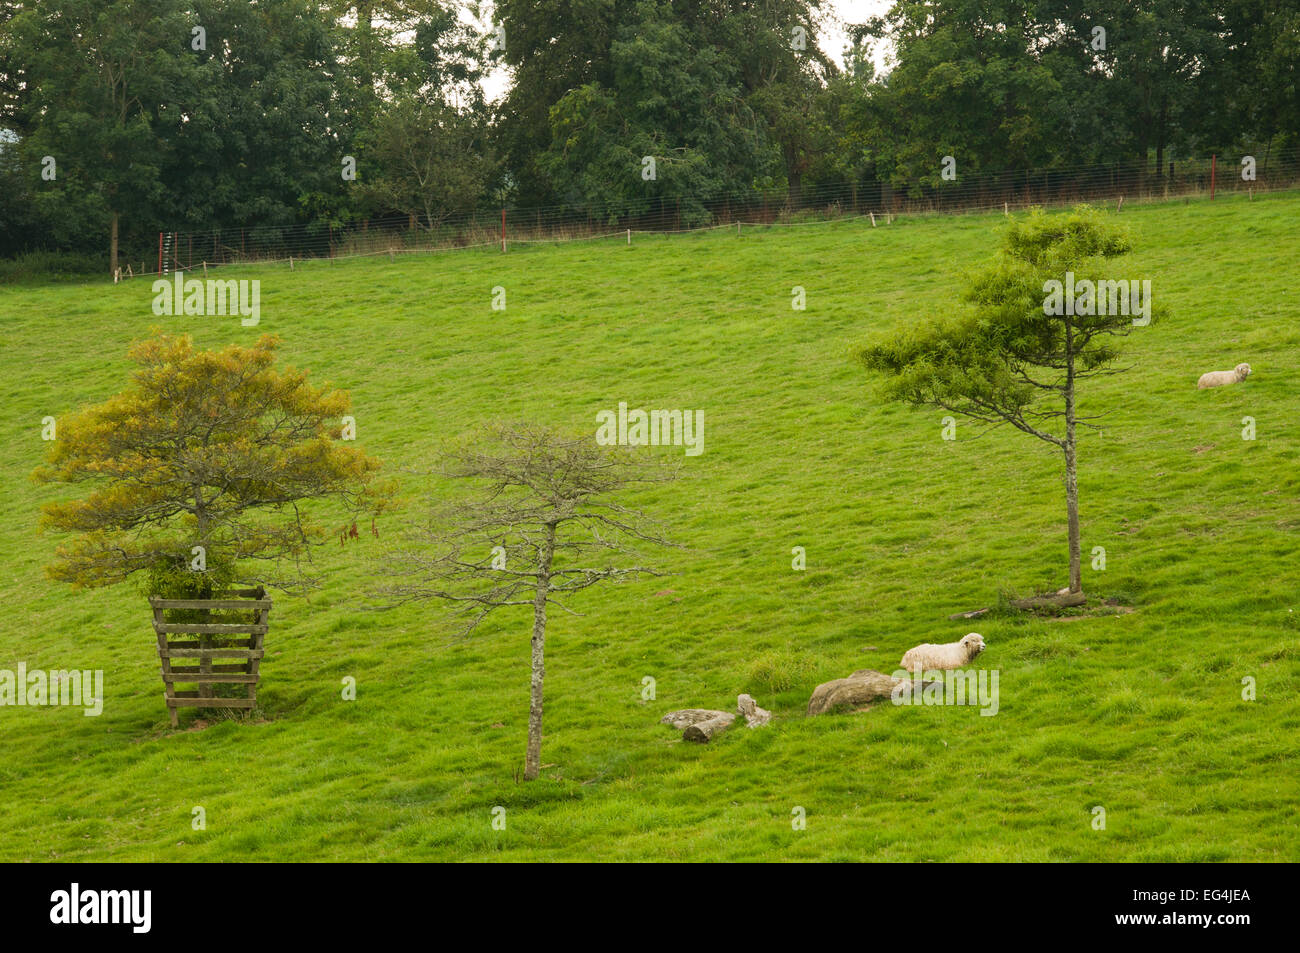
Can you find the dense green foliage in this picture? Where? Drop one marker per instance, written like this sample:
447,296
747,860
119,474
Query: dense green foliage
253,124
993,359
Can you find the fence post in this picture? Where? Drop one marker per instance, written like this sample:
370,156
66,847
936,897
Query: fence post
1213,162
160,271
629,236
503,229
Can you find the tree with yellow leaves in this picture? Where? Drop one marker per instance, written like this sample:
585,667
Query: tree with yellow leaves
202,464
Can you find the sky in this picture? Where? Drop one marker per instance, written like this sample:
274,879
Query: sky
833,40
852,11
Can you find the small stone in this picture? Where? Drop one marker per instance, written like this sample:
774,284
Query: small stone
749,710
690,716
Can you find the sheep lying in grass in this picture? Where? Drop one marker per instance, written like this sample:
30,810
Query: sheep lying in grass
927,657
1219,378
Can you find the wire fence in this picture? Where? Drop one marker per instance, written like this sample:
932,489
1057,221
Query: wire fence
1111,185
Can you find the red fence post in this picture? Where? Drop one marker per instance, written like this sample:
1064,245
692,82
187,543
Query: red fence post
1213,162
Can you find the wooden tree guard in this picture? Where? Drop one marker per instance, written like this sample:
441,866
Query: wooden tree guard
238,641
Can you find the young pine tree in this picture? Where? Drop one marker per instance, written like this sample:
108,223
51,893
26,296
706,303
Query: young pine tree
1018,353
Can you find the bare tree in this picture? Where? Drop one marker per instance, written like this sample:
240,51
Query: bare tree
545,526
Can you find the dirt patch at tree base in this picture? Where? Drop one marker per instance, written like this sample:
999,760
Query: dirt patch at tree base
1050,606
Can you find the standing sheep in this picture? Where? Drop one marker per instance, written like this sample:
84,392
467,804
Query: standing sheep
1219,378
927,657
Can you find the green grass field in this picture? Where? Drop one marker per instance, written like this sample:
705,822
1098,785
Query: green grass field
1141,714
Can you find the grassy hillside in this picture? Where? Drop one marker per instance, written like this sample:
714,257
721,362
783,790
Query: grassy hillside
1141,714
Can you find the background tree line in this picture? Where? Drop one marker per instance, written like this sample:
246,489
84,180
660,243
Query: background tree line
203,114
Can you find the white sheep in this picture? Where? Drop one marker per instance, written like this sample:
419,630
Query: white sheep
1219,378
927,657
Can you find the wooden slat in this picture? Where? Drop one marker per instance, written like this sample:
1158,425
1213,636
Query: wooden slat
209,603
228,678
184,701
257,642
205,662
235,667
210,653
212,628
166,668
213,643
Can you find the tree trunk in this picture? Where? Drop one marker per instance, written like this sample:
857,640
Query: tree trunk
794,179
1161,135
533,758
112,245
365,32
704,731
1072,508
205,587
1071,472
1145,121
